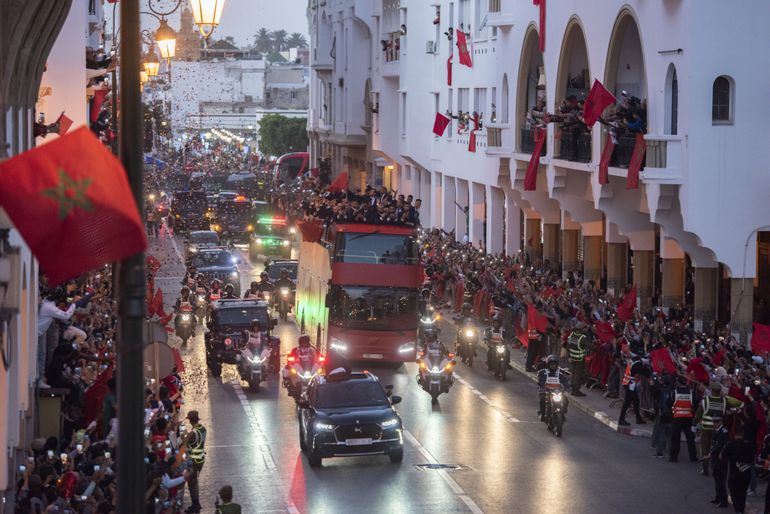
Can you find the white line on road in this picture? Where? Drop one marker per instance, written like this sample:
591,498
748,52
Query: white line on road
443,474
485,399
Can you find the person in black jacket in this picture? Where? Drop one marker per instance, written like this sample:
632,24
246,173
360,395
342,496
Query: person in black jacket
718,464
738,457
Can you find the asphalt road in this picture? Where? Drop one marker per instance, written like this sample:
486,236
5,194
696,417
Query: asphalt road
507,461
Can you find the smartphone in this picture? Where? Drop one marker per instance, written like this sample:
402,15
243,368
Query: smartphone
97,467
50,454
168,451
31,460
83,498
746,390
22,468
146,432
63,457
79,447
107,455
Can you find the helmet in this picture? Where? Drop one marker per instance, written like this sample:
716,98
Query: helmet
185,291
256,325
425,292
253,284
215,282
431,336
263,275
467,307
199,276
552,362
304,340
229,288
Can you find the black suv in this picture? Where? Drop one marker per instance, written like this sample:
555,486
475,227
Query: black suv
217,262
189,210
224,336
347,414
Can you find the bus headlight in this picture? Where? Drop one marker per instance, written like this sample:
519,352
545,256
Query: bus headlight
406,348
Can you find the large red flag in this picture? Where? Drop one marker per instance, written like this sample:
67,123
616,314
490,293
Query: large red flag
637,157
760,338
472,142
627,305
604,163
541,32
339,184
530,179
604,331
449,70
72,204
94,399
462,47
440,124
96,103
661,361
597,100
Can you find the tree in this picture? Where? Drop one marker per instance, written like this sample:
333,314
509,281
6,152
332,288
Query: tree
296,40
231,40
280,135
279,40
263,41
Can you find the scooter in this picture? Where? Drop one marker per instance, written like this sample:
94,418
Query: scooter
555,406
435,374
466,343
283,303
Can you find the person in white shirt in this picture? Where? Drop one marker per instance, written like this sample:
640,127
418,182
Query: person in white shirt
49,311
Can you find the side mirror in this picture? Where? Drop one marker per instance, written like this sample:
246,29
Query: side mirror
395,400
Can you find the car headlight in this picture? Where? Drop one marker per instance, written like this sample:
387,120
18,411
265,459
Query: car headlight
406,348
285,242
501,349
326,427
193,249
258,241
249,227
339,346
389,423
469,333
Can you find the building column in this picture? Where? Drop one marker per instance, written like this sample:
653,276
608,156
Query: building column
592,258
533,236
495,219
478,214
462,218
644,263
450,209
512,225
705,307
426,217
741,308
570,237
617,268
551,242
672,283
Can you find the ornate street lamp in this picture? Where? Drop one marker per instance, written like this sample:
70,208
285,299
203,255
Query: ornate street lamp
151,63
207,14
165,37
143,77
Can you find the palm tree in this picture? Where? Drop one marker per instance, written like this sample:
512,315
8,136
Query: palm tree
296,40
279,40
263,41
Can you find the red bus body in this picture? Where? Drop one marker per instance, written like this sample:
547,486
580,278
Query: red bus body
291,165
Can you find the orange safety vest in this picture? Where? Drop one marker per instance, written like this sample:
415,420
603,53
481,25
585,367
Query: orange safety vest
215,296
682,404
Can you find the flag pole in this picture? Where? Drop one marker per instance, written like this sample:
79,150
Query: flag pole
130,278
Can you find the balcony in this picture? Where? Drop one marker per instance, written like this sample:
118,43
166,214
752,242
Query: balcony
621,156
495,16
663,159
575,146
391,46
498,141
528,142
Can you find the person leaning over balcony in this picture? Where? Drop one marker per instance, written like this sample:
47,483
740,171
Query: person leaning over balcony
48,312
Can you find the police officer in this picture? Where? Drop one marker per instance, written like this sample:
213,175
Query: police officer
493,336
712,406
253,292
682,412
196,442
229,293
634,369
551,378
578,348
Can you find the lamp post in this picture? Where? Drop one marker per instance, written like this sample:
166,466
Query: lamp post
151,63
207,14
165,37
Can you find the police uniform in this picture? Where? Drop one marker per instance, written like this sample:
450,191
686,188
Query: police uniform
196,443
682,414
577,360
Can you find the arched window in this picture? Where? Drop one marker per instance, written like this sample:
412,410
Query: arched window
504,100
722,99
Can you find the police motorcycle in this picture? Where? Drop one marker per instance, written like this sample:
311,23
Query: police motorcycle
553,403
253,361
467,337
184,320
435,371
200,304
428,324
302,364
498,353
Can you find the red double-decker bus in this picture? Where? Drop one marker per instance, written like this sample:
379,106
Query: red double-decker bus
358,291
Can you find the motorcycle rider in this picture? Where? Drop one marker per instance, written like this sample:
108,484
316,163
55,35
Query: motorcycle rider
215,293
229,293
465,322
253,292
184,302
255,341
425,301
494,335
434,352
264,282
284,281
190,276
551,377
200,285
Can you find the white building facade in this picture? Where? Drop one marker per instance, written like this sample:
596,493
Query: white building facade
694,230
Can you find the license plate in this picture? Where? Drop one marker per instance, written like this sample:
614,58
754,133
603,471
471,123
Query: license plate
373,356
358,442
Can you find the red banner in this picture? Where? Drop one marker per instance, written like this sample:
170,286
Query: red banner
472,142
530,179
541,32
604,331
627,305
640,147
462,47
760,339
604,163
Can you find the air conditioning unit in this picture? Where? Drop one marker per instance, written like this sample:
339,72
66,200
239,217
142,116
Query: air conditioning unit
431,47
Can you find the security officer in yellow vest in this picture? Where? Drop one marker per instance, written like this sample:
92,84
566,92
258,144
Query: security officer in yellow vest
196,442
578,348
712,406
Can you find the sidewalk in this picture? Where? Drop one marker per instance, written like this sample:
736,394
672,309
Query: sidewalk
605,410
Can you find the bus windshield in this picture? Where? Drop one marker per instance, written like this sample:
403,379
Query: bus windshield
373,308
375,248
289,167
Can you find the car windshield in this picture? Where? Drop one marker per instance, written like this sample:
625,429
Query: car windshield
375,248
374,308
212,259
236,211
189,202
274,271
204,238
242,316
340,395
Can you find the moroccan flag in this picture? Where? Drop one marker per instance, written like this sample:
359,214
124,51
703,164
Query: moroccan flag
472,142
311,230
96,103
604,331
627,305
94,398
760,338
661,361
530,179
72,204
604,163
64,124
440,124
637,157
339,184
462,47
449,70
535,320
597,100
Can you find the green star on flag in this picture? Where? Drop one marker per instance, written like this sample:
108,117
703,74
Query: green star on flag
69,194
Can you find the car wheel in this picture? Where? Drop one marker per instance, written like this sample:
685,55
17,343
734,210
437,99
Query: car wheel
302,444
216,368
314,459
396,456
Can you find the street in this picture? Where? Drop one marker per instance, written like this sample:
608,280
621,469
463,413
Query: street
486,432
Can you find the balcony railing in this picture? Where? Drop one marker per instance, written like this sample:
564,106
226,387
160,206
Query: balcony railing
575,146
494,137
663,159
392,47
528,142
494,5
621,157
